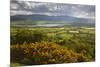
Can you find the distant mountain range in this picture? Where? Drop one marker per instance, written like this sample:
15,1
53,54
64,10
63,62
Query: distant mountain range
51,18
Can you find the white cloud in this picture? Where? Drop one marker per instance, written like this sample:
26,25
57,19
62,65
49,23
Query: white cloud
29,7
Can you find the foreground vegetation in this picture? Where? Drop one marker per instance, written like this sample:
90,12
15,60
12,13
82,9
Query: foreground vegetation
44,53
50,45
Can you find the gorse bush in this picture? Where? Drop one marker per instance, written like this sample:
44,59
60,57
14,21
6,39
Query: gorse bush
44,53
81,47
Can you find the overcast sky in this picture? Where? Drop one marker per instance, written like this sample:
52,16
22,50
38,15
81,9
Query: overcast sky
52,9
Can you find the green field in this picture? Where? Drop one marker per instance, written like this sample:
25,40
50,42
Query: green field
50,45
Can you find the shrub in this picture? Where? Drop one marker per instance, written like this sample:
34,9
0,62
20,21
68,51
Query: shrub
28,36
44,53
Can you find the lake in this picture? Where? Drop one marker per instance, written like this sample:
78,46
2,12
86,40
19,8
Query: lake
39,25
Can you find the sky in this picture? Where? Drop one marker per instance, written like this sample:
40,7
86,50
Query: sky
52,9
